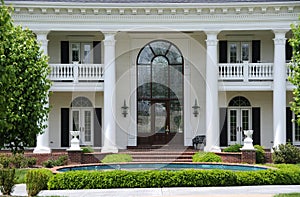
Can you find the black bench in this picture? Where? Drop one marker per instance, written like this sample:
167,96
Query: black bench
199,139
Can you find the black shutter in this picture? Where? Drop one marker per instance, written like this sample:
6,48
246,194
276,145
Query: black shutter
64,52
97,127
223,127
288,51
255,51
256,125
289,125
97,52
65,127
222,51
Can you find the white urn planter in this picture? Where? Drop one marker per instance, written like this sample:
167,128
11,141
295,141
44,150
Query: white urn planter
248,142
75,141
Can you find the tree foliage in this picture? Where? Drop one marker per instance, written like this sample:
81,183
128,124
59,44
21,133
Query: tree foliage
23,85
294,77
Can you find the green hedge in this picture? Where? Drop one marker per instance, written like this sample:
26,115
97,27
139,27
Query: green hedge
36,180
182,178
206,157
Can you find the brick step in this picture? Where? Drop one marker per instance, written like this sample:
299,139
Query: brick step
160,160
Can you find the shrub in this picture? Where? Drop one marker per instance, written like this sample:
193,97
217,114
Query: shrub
7,180
286,153
36,180
181,178
116,158
206,157
62,160
17,161
260,154
233,148
141,179
87,149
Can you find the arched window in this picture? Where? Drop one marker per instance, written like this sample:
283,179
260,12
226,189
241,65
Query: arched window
160,88
81,102
239,101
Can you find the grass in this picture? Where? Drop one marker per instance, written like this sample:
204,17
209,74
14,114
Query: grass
116,158
288,195
20,175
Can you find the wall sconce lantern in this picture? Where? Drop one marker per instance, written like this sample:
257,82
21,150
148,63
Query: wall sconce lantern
196,108
124,109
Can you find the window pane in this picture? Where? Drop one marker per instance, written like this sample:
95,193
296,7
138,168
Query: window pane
233,53
144,81
176,118
233,125
75,121
160,47
160,110
160,77
176,82
75,52
297,132
245,119
87,126
174,56
145,56
245,51
144,116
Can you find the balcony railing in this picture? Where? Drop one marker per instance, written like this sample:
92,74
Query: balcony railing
76,72
246,72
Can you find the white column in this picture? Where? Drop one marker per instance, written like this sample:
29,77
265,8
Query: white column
279,89
109,134
212,105
42,140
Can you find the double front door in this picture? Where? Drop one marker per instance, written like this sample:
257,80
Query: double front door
238,121
162,124
82,120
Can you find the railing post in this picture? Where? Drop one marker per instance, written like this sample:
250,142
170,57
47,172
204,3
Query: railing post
246,71
75,72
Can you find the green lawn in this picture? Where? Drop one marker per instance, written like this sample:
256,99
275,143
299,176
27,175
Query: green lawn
288,195
20,175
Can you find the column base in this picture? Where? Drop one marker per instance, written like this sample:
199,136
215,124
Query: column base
215,149
42,149
109,149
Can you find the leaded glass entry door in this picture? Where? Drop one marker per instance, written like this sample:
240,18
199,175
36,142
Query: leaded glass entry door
238,121
82,121
160,94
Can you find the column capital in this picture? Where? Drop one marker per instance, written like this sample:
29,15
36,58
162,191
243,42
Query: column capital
280,38
109,38
212,39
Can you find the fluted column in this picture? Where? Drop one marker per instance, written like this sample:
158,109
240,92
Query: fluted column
109,135
279,89
42,140
212,109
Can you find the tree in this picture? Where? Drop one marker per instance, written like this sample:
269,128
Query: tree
294,77
23,85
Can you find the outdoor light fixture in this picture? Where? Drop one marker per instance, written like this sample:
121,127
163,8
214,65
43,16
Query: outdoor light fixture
124,109
196,108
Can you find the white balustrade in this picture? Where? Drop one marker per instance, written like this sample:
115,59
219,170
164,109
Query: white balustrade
246,71
76,72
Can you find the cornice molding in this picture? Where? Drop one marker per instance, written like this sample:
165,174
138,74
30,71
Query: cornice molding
149,9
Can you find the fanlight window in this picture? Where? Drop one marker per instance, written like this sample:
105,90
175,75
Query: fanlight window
81,102
239,101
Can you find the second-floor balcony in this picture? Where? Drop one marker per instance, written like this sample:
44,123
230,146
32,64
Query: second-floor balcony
246,72
76,72
234,74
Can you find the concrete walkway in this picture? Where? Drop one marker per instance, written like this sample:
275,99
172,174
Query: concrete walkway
236,191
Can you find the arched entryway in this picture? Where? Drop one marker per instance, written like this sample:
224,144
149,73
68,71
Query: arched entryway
82,117
240,119
160,94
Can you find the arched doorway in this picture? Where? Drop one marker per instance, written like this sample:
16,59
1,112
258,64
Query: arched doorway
160,94
240,119
82,117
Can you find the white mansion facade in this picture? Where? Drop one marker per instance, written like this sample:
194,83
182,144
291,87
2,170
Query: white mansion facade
157,73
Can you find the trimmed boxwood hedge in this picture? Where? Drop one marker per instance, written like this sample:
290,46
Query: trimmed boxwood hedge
181,178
